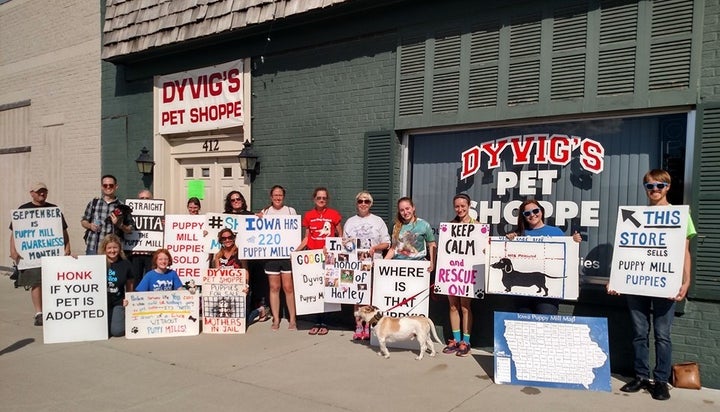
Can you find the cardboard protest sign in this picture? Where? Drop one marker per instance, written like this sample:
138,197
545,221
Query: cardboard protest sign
215,222
401,287
74,299
162,314
37,232
462,255
184,239
649,250
555,351
308,278
148,225
224,300
269,237
348,271
545,267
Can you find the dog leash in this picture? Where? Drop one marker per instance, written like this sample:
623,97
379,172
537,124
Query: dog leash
410,299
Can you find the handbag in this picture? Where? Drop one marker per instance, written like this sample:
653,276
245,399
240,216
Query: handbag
686,375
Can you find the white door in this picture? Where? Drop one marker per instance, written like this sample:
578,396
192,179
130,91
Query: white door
216,176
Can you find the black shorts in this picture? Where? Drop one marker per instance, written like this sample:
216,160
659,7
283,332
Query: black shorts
30,277
276,267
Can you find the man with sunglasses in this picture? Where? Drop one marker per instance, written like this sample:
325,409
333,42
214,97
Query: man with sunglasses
657,184
31,278
103,216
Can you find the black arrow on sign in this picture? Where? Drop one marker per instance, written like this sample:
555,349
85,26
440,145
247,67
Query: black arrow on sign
628,215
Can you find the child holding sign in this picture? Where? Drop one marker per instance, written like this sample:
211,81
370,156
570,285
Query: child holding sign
161,277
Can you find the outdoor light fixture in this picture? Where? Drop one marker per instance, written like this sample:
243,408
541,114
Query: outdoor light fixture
249,161
145,162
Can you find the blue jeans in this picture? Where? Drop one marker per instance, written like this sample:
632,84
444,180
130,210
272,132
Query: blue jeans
116,321
663,312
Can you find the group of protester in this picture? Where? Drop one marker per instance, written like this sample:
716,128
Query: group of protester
105,222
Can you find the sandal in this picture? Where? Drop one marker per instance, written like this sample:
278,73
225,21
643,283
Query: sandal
264,317
292,326
275,327
314,330
323,330
358,335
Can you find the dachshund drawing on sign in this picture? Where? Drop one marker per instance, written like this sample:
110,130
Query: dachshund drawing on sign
512,277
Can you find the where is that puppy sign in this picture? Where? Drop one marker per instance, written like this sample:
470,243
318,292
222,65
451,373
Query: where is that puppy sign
649,250
74,299
462,256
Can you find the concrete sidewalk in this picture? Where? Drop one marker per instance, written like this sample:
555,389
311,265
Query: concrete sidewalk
266,370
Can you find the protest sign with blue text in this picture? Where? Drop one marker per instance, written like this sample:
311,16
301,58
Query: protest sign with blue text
308,279
162,314
214,223
649,250
37,232
269,237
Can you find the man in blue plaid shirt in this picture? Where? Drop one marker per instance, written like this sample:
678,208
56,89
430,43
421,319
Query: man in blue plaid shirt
101,218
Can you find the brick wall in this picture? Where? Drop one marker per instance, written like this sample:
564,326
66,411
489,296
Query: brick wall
311,109
51,56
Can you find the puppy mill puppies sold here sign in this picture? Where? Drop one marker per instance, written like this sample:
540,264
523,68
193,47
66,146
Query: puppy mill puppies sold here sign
649,250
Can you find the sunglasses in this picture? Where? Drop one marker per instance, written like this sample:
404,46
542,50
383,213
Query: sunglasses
651,186
223,238
531,212
320,197
108,185
364,201
235,199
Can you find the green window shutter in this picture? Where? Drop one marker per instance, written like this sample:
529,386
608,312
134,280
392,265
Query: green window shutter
378,176
412,77
483,76
671,44
706,204
618,37
446,73
569,41
524,68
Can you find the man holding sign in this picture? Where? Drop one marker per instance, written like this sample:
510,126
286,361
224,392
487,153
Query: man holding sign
630,274
31,277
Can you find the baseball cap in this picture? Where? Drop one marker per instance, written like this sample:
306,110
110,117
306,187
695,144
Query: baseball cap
38,186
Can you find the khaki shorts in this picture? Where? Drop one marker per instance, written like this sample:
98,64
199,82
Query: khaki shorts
30,277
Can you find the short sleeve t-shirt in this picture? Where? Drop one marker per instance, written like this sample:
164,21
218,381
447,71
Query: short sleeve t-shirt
320,225
412,240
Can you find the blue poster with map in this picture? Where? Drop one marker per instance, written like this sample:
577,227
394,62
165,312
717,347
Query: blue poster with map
554,351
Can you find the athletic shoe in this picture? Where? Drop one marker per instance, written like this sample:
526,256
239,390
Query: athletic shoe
451,347
38,319
463,349
358,335
366,333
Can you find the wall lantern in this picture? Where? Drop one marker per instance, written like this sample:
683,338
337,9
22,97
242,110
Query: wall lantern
249,161
145,162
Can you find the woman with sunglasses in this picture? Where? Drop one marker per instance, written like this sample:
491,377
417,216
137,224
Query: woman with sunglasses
460,345
531,222
657,185
235,204
279,271
227,257
372,233
320,222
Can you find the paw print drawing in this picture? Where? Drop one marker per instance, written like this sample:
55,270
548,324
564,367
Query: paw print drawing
437,289
480,294
135,330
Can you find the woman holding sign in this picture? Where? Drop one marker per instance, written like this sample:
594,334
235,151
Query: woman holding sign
372,232
320,222
227,257
657,184
531,222
279,271
458,345
119,280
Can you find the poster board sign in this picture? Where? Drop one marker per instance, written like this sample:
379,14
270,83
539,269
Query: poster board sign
555,351
544,267
224,301
162,314
184,240
148,216
215,222
462,255
649,250
269,237
309,281
37,233
401,282
208,98
74,299
348,271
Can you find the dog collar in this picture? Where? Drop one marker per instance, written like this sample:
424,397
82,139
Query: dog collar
375,319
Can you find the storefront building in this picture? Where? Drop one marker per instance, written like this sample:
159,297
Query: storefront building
568,102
